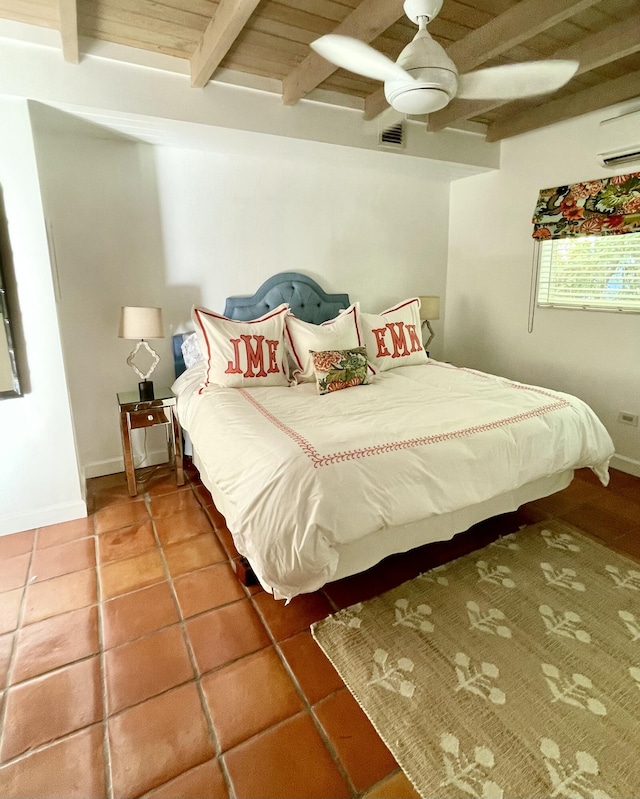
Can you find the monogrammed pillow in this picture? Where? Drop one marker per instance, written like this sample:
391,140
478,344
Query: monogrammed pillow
243,354
394,337
340,333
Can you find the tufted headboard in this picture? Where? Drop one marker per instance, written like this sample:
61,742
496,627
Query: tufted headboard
178,358
305,297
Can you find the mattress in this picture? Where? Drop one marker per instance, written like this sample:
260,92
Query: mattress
308,483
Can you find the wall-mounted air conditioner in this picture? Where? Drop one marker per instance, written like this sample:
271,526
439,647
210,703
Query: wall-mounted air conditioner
619,140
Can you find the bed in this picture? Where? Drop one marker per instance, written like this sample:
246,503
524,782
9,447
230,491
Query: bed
317,486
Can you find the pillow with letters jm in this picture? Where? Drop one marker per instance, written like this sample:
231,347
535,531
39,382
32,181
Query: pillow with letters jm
242,354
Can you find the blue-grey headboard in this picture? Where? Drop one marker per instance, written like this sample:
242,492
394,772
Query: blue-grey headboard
304,296
178,358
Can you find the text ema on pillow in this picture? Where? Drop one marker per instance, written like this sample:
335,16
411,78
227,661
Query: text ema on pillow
393,337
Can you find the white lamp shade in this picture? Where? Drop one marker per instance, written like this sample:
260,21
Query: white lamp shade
429,307
140,323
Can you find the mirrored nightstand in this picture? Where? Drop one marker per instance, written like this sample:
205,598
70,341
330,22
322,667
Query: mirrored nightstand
136,413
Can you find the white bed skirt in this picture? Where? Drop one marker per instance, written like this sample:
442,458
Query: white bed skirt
358,556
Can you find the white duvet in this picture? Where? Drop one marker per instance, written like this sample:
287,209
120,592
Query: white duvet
301,472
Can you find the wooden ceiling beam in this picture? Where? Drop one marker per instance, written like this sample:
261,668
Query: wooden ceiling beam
68,16
517,24
374,104
595,97
230,18
366,22
617,41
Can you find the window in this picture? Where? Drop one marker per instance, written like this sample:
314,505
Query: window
594,272
589,245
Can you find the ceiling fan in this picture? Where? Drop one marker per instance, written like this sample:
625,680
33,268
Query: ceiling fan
424,78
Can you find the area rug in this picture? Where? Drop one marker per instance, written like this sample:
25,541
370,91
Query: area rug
513,671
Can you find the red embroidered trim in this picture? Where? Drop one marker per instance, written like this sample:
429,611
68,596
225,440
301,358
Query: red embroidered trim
483,376
325,460
198,313
265,318
352,311
399,306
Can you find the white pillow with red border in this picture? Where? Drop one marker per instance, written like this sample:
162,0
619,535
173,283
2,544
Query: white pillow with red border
341,333
394,337
243,354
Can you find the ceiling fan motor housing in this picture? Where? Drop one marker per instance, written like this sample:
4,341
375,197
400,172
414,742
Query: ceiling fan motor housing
435,77
433,88
415,9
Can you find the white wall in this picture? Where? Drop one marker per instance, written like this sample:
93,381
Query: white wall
101,209
39,476
149,95
591,354
174,226
142,225
375,228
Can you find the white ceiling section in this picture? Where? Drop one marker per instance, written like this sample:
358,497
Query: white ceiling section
147,97
268,42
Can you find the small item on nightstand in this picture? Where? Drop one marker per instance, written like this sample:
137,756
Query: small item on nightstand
146,390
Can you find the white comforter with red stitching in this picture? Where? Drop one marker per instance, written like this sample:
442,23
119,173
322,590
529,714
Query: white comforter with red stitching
301,472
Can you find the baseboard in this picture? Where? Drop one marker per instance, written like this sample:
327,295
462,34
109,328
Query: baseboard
113,465
42,517
624,464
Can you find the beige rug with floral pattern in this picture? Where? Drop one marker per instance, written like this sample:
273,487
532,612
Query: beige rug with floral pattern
511,672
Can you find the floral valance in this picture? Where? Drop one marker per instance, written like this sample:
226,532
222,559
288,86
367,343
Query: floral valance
595,208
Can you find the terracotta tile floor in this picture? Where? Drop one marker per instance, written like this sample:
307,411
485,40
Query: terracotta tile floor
133,663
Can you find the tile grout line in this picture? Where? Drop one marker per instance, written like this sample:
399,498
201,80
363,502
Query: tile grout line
192,657
307,705
22,611
14,643
46,744
108,770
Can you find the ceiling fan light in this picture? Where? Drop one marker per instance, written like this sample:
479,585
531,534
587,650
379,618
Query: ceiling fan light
419,100
431,89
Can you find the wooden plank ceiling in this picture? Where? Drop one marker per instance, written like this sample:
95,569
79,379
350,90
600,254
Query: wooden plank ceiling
271,39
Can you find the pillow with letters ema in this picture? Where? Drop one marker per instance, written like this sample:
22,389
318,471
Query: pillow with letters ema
394,337
338,369
243,354
340,333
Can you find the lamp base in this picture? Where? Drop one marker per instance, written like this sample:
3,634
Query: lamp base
431,335
146,390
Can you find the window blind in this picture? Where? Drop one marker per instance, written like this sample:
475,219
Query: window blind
591,272
604,207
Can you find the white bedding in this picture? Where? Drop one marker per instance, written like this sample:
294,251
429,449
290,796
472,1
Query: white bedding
302,473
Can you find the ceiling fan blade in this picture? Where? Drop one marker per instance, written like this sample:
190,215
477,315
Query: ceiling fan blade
510,81
358,57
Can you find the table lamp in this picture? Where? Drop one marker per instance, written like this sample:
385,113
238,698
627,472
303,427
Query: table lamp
142,323
429,309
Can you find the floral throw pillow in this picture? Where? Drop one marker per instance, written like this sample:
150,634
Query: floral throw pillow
338,369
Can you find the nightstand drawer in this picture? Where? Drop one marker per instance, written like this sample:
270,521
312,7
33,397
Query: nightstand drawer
149,418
